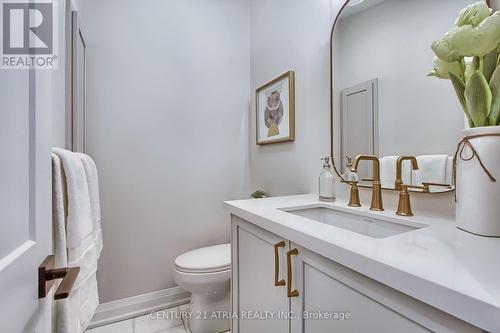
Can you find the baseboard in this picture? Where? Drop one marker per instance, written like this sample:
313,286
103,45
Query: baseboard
135,306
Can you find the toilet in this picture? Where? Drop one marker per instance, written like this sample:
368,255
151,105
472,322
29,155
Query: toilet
205,272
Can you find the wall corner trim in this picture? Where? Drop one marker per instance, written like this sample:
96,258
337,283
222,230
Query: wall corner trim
139,305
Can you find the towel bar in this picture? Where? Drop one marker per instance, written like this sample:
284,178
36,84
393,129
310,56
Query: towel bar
47,274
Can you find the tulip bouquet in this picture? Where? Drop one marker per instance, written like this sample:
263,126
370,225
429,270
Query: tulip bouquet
469,56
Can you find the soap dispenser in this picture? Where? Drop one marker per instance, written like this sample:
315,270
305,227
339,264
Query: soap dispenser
349,175
326,182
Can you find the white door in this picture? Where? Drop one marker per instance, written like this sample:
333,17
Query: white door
253,280
25,198
359,128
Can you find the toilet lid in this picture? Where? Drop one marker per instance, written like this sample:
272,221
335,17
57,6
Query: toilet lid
206,259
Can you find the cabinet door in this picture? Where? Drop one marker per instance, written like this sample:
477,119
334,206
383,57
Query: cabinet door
333,298
261,304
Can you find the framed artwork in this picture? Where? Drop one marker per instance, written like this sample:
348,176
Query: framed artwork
275,109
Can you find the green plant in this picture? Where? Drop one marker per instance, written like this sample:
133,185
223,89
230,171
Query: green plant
258,194
469,56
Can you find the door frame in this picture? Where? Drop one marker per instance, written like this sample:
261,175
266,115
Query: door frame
73,33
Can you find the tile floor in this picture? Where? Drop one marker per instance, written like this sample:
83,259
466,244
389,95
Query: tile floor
164,321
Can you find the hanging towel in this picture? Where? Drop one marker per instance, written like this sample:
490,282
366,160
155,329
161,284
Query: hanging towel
432,169
388,171
77,235
449,171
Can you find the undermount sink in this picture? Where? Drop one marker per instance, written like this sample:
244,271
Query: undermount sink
367,226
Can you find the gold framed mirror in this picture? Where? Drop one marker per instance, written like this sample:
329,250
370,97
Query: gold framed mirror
381,101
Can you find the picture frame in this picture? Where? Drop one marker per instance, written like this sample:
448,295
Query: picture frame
275,110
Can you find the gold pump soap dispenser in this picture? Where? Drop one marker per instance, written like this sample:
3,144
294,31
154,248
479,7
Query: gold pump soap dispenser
326,182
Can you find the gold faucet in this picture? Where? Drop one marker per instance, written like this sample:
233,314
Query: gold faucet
404,205
399,167
377,203
354,197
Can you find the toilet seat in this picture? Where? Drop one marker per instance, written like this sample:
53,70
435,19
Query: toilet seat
209,259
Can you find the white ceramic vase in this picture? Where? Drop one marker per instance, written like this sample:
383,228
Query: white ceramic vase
478,197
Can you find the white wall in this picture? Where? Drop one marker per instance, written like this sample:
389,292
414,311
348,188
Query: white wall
168,100
293,34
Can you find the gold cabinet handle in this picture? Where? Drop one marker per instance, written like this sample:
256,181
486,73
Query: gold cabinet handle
289,254
277,281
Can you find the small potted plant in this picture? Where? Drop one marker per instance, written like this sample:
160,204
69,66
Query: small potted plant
469,56
258,194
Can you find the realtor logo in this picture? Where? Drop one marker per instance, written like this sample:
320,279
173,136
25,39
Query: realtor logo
28,34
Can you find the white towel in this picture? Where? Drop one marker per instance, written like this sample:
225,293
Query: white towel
93,186
77,235
59,206
448,179
388,171
432,169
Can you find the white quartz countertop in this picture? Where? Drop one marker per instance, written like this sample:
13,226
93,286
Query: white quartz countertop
440,265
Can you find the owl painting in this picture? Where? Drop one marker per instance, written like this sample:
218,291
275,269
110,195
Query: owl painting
275,110
273,113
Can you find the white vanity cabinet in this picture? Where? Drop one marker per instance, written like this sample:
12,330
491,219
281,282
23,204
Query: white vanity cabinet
253,280
346,300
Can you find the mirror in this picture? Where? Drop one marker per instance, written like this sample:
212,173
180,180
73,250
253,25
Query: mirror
383,102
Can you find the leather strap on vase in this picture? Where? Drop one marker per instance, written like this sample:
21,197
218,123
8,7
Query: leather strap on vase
460,153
